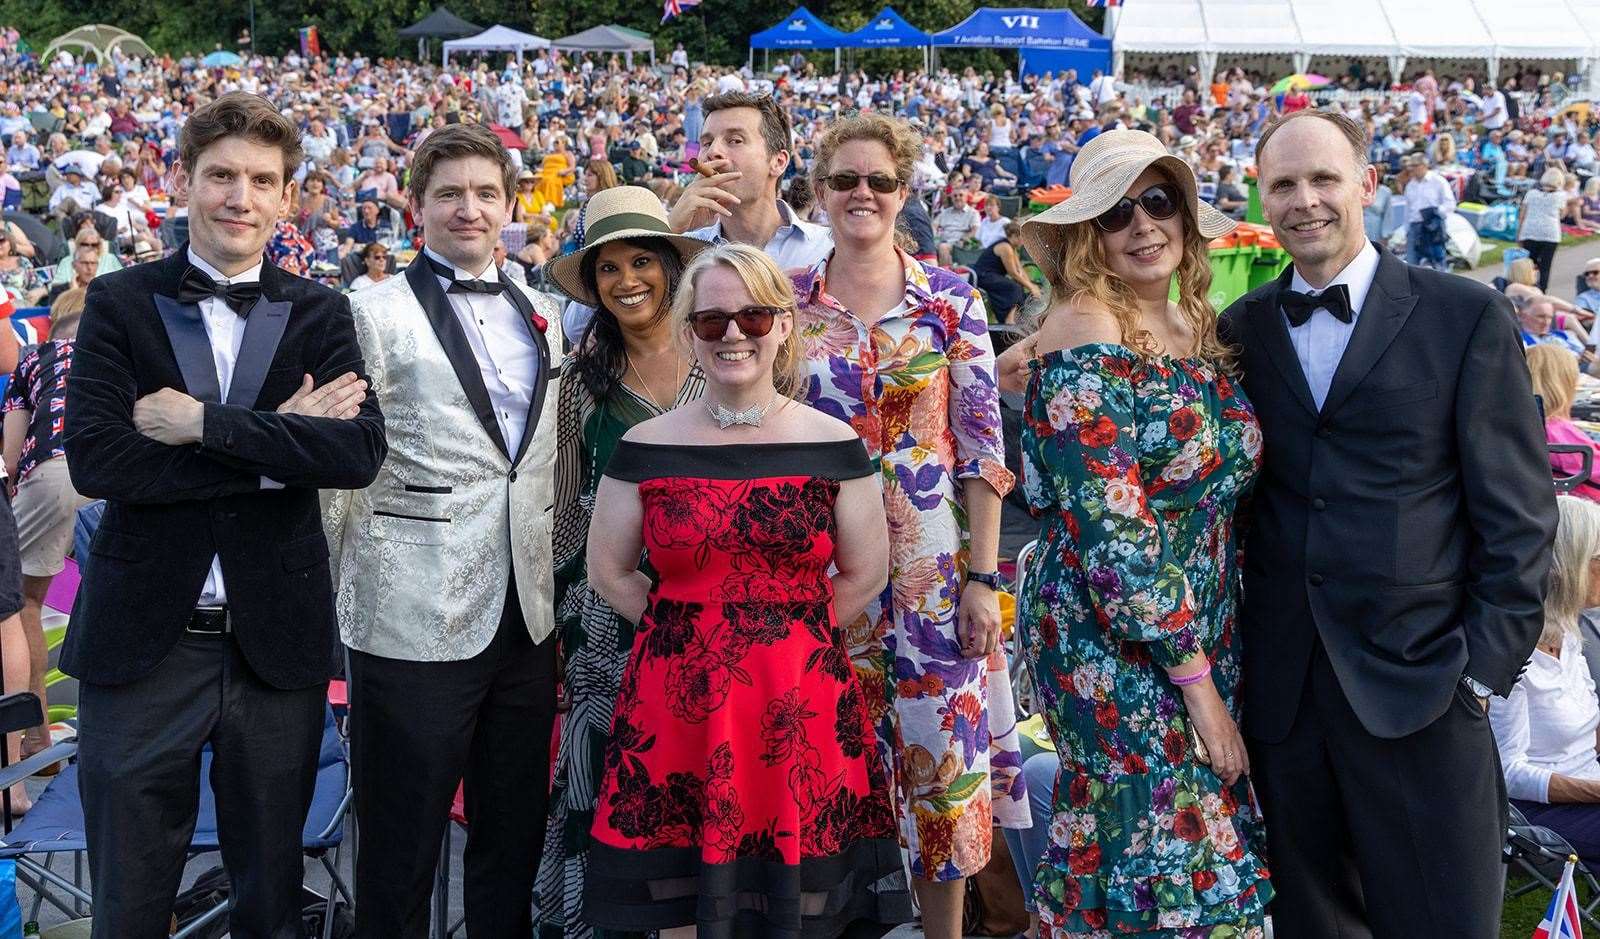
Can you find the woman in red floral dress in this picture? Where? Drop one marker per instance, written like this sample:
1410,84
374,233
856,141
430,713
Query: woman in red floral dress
740,796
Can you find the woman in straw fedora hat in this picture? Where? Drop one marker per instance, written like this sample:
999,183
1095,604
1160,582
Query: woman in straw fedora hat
630,368
1137,446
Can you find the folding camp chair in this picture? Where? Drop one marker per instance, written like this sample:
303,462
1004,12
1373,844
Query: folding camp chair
442,927
1542,855
55,826
1584,474
1021,678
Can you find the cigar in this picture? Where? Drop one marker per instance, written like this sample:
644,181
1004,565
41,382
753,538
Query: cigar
703,170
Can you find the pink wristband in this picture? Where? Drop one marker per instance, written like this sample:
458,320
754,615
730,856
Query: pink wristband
1191,679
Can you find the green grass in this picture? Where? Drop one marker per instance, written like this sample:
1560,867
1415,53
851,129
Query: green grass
1494,250
1522,914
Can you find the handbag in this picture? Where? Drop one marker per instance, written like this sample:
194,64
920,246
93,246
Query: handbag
994,902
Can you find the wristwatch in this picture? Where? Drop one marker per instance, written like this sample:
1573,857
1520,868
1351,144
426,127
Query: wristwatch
1479,689
991,580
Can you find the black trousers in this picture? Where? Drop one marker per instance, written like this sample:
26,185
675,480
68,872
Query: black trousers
1543,255
416,728
139,775
1369,837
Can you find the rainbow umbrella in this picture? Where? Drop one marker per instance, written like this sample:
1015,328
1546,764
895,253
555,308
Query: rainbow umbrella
1300,80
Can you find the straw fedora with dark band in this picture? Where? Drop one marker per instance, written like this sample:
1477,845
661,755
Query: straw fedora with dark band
1101,175
610,215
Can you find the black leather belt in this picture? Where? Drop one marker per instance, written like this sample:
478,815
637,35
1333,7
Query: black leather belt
209,621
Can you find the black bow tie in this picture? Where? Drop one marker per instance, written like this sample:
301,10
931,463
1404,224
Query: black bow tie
1297,306
470,285
197,285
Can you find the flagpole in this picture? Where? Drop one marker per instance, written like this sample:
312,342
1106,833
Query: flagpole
705,36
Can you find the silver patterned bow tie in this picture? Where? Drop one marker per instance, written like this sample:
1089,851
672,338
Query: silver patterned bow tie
751,415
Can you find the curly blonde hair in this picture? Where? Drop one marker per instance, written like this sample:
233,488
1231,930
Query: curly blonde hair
1082,273
897,137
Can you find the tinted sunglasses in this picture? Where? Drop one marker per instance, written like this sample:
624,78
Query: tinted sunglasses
1159,202
877,182
712,325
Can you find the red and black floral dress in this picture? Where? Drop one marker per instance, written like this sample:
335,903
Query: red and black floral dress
739,794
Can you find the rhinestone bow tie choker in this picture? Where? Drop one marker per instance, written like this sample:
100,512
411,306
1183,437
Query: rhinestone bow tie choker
751,415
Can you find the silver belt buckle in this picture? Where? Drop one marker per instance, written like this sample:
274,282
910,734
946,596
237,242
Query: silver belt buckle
226,622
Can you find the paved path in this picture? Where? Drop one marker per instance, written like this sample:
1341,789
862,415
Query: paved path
1568,265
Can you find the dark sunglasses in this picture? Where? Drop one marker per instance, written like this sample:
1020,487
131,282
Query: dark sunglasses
877,182
712,325
1159,202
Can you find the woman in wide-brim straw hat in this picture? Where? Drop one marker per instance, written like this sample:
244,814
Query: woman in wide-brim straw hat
629,368
1136,447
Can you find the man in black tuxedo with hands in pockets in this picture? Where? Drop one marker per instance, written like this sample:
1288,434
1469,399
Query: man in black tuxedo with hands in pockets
1395,559
212,395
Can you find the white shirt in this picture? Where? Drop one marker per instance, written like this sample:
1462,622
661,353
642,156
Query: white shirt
225,332
1494,110
1103,89
991,230
507,357
1541,215
796,243
509,99
1319,342
955,220
1417,107
1431,191
1547,724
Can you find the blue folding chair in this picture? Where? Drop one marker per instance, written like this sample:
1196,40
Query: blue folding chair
55,826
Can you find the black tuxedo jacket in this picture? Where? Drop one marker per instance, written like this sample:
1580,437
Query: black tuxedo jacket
170,509
1408,523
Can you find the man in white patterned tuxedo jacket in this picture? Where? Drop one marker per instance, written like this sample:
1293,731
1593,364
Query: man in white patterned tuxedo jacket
442,565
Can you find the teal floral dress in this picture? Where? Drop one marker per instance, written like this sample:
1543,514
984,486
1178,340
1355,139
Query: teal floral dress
1138,466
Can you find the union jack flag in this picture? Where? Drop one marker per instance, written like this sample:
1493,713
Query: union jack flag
1561,920
58,427
1105,3
671,8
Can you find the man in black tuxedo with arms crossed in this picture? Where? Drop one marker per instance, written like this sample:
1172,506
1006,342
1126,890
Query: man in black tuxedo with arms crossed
1394,562
212,395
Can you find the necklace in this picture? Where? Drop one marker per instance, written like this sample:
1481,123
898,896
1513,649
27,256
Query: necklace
677,377
751,415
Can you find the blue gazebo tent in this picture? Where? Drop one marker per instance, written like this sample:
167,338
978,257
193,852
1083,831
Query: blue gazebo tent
887,30
800,30
1049,40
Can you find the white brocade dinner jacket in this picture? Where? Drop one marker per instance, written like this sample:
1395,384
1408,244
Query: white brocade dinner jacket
421,558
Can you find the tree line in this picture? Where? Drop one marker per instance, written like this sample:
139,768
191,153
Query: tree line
717,31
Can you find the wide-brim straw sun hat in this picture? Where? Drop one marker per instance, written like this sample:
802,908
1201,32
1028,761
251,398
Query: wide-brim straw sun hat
1102,174
611,215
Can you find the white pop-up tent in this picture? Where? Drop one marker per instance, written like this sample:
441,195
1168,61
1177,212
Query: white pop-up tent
1395,30
496,39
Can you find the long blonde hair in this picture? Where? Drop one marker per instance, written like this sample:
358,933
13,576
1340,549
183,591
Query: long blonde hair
767,286
1577,541
1554,371
1083,273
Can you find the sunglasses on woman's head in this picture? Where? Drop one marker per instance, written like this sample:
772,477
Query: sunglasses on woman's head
754,322
877,182
1159,202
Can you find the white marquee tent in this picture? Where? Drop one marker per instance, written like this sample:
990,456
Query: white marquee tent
1395,30
496,39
